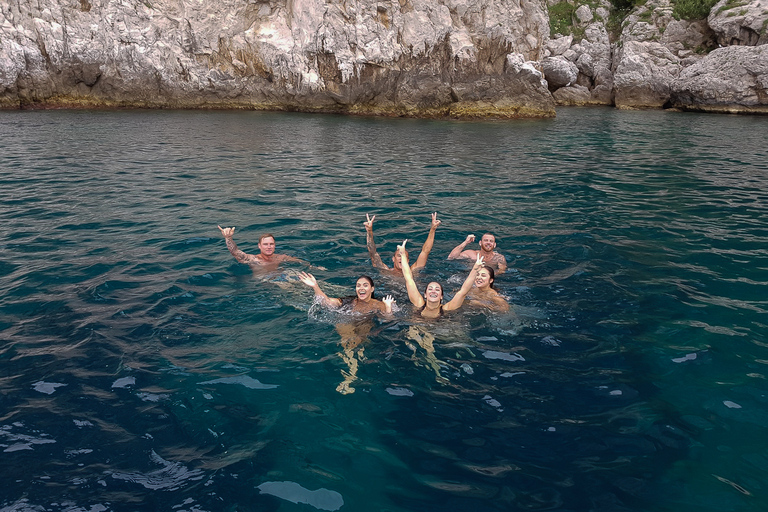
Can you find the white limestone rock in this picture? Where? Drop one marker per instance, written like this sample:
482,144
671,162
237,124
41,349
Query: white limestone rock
559,72
384,56
732,80
558,46
584,14
575,95
655,22
743,23
643,75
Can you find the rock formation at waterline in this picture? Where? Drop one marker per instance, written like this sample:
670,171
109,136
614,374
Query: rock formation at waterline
413,57
456,58
658,61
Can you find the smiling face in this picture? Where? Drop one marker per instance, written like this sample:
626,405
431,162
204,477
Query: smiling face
364,289
267,245
488,242
434,293
484,279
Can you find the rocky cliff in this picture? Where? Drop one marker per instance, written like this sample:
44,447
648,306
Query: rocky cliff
407,58
659,61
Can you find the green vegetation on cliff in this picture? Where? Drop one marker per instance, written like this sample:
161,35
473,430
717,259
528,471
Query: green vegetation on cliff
562,16
693,9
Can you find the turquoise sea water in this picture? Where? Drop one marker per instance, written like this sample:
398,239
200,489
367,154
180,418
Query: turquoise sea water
143,368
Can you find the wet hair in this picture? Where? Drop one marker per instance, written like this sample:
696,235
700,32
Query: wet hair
266,235
442,290
349,299
491,274
367,278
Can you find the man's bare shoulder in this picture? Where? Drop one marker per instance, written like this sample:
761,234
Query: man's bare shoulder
498,257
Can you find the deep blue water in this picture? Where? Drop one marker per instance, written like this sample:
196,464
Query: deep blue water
143,368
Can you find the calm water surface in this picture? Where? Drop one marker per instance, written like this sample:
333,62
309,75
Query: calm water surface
143,368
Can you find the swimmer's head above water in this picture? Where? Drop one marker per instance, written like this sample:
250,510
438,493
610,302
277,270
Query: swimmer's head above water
267,244
397,261
485,278
488,242
434,293
364,288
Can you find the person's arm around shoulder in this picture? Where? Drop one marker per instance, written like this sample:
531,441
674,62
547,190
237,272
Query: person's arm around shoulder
375,258
421,261
459,252
458,299
239,255
309,280
413,292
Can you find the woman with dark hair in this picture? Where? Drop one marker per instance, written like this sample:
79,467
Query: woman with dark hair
431,306
362,302
354,332
431,303
484,293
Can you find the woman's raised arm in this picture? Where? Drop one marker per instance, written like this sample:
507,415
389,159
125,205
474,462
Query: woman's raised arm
413,293
458,299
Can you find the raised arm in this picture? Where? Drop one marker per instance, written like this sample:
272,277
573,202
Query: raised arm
375,258
458,299
413,293
459,252
309,280
421,261
239,255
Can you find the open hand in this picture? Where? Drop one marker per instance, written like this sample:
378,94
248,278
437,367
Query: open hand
388,301
308,279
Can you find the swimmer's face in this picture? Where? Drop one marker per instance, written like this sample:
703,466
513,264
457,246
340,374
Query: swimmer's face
483,279
363,289
396,262
267,246
488,242
434,292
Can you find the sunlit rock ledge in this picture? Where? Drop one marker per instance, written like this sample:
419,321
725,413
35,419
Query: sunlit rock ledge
456,58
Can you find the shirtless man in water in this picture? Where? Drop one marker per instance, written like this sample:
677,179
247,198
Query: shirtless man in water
267,259
397,268
487,251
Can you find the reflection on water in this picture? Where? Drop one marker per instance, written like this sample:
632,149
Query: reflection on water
141,364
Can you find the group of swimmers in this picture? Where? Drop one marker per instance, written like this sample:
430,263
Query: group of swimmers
477,289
